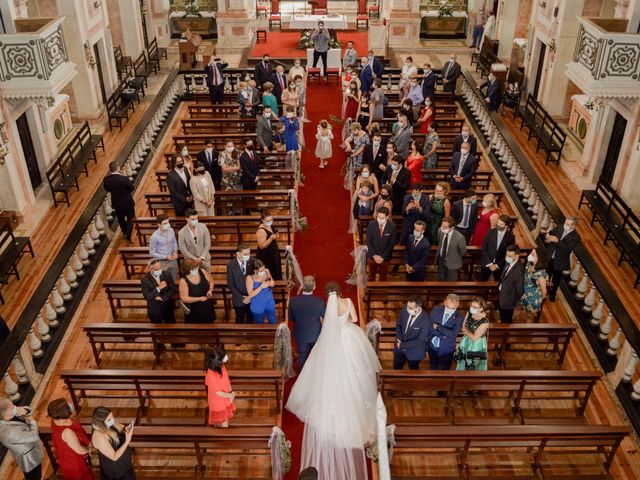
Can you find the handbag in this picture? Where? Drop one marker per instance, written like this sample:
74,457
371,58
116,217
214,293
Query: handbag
183,306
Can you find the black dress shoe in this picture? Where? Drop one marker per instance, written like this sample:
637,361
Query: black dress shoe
552,298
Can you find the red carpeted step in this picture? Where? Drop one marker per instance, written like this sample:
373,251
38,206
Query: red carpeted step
285,44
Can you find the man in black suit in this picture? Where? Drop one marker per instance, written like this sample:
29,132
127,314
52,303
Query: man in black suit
415,206
560,243
121,189
465,137
412,328
450,73
237,271
381,236
511,284
493,92
279,80
250,166
215,79
178,183
399,177
446,323
465,212
416,253
209,158
375,154
159,288
428,83
462,168
263,71
494,249
306,312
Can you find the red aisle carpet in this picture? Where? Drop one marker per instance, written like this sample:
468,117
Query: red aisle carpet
324,250
284,44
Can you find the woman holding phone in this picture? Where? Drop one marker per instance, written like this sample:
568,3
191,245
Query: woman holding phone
196,293
259,287
111,439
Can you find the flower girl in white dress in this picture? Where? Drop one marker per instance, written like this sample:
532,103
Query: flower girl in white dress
324,135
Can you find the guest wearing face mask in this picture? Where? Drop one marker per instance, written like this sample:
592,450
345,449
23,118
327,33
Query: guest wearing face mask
264,130
416,253
321,39
494,247
561,241
111,439
280,83
414,162
159,288
291,127
194,241
406,108
203,191
350,58
290,97
446,323
70,441
450,73
248,98
414,95
472,352
263,71
268,250
183,152
415,206
259,286
365,110
269,99
381,236
431,142
196,292
19,434
250,165
384,199
488,218
440,207
378,99
426,116
412,327
462,168
352,101
511,284
428,82
399,177
465,212
164,247
178,184
465,137
237,271
536,280
229,160
209,158
366,75
366,176
301,88
297,71
493,92
452,248
220,395
402,136
408,73
215,79
356,143
375,155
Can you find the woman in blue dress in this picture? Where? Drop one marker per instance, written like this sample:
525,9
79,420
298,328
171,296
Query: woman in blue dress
259,288
291,127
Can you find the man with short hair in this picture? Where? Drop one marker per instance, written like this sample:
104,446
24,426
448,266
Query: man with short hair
121,188
279,80
403,136
375,154
381,236
194,241
511,285
263,71
416,253
494,247
478,28
350,58
237,271
321,39
415,206
399,177
178,185
264,130
465,213
452,247
366,75
164,247
19,434
465,136
412,328
450,73
446,323
561,241
215,79
428,83
306,312
250,166
159,288
462,168
493,91
376,65
209,158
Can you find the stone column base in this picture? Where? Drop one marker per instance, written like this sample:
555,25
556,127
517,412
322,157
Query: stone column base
234,30
403,32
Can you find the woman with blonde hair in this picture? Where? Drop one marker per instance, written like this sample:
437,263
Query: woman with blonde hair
440,208
487,219
111,439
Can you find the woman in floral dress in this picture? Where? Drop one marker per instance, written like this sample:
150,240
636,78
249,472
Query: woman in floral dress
229,160
440,208
431,142
535,282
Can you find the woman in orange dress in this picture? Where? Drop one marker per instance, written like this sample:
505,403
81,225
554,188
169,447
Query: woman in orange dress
219,392
487,219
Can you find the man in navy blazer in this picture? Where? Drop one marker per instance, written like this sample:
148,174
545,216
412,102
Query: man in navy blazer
445,324
416,253
416,206
428,82
493,91
366,75
412,328
237,271
306,312
381,236
280,84
465,212
462,168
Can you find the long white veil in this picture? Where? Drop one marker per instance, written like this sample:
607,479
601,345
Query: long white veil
335,395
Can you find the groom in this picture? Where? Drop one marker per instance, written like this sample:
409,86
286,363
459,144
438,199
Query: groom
306,312
412,328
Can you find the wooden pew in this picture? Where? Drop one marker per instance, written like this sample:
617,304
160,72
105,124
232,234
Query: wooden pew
147,337
267,160
218,125
222,110
195,142
270,179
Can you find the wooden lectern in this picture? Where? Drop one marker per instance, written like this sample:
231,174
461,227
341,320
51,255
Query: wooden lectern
188,48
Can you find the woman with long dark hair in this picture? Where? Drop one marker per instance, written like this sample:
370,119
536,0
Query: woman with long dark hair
219,392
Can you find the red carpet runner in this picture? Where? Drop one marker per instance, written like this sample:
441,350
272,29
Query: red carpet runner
324,250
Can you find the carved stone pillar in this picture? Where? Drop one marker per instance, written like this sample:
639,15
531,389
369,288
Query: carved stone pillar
506,27
403,22
595,142
234,20
126,26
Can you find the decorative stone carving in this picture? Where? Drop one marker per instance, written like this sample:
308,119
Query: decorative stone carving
56,53
18,60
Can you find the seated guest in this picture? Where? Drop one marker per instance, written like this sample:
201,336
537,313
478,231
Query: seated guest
465,213
487,219
414,162
399,177
493,91
209,158
446,323
70,441
416,254
250,165
494,249
381,236
203,191
164,246
306,312
259,286
511,285
472,350
220,395
111,439
194,241
19,434
412,328
196,292
264,130
159,288
536,280
415,207
178,184
462,168
237,271
561,241
375,155
452,248
465,137
268,250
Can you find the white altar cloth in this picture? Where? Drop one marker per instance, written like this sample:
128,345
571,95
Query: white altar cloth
310,22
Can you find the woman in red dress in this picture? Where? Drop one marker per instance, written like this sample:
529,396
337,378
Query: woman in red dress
426,116
220,394
414,163
70,441
353,96
487,219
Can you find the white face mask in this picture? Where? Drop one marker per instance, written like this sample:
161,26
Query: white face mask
157,273
376,143
262,273
414,313
229,149
267,114
417,235
566,228
269,223
449,311
297,64
193,271
531,258
209,149
394,166
509,260
444,230
382,221
427,102
193,222
184,152
165,226
465,134
110,422
290,115
225,359
245,258
365,174
474,310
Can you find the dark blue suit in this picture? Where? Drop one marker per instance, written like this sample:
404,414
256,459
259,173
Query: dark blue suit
429,86
441,358
413,215
412,340
457,212
305,312
417,256
493,93
277,91
366,78
467,173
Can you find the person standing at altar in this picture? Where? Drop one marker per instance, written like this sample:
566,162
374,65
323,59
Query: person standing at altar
321,39
215,79
350,58
279,80
263,71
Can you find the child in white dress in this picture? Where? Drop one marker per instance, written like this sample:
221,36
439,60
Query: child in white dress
324,136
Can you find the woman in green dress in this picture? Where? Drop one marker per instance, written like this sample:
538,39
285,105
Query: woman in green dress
440,207
431,142
535,282
472,351
269,99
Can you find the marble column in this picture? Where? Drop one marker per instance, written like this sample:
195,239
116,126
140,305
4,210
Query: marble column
235,19
403,23
126,26
506,27
595,142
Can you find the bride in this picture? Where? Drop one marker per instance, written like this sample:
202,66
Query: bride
335,394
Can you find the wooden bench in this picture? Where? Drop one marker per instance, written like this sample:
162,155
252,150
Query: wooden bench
207,112
267,160
620,223
12,248
270,179
118,106
196,142
142,69
218,125
154,53
123,63
486,56
551,137
147,337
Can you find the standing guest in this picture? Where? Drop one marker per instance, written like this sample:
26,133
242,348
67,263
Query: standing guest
381,236
416,253
248,100
406,108
301,89
356,143
196,292
164,247
431,142
277,138
259,286
279,80
291,127
428,83
121,188
269,99
473,346
493,91
414,95
209,158
412,327
378,99
324,135
194,241
426,116
263,71
252,86
535,282
290,98
402,136
408,73
414,163
159,288
220,395
305,313
348,76
561,241
494,248
365,110
446,323
268,250
487,219
384,199
19,434
399,177
450,73
478,28
465,137
71,442
250,166
237,271
183,152
352,101
452,248
364,194
111,439
229,160
203,191
511,284
375,155
178,184
462,168
215,79
297,70
415,206
440,207
264,130
376,64
350,57
309,473
366,75
321,39
465,213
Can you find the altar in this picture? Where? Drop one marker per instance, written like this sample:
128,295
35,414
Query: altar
310,22
433,25
333,59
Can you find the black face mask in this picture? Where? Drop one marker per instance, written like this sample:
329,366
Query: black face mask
384,195
249,147
200,171
179,165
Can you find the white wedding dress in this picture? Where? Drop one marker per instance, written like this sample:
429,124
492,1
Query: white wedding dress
335,396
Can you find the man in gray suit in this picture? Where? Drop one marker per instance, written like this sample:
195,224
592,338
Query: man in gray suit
19,434
402,136
350,58
194,241
263,130
452,247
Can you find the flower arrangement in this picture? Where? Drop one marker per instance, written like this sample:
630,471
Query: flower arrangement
306,42
445,9
285,454
192,9
589,104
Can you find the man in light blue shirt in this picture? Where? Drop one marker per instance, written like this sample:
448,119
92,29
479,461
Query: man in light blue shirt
415,95
164,247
